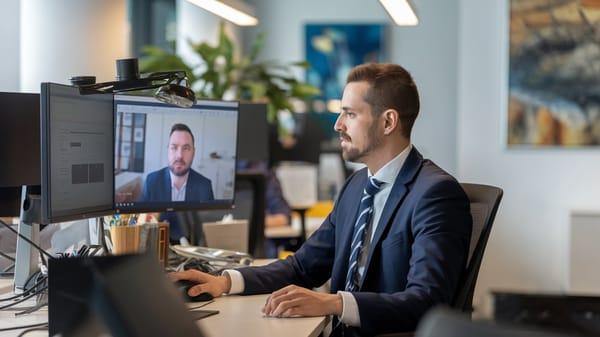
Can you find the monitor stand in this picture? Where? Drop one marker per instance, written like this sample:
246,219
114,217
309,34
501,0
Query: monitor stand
26,258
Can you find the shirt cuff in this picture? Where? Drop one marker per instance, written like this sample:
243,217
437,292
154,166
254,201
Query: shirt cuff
237,281
350,315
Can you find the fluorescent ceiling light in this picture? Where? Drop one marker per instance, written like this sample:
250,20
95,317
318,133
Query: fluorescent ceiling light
235,12
401,12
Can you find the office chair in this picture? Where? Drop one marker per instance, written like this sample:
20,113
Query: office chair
449,323
484,200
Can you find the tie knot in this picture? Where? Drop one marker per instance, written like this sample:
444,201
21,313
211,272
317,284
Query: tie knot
373,186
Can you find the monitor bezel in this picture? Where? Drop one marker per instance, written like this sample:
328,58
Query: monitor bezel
48,214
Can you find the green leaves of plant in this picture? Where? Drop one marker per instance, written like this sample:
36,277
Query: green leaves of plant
221,73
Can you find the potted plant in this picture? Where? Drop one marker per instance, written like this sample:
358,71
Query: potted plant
222,75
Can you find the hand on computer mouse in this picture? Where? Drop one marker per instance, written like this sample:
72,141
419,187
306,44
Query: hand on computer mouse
203,282
184,286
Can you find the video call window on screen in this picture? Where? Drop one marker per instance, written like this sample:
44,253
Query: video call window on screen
172,158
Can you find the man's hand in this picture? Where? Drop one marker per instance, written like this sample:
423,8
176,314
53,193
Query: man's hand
297,301
214,285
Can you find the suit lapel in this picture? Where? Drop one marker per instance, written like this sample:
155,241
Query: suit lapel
409,171
167,178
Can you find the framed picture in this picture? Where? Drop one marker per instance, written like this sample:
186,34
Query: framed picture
554,73
333,49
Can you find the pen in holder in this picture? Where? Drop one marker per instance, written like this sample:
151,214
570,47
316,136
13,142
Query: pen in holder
125,239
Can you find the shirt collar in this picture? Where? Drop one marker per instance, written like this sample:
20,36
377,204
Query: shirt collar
173,179
390,171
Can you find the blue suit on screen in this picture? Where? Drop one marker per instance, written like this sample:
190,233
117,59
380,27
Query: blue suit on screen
157,187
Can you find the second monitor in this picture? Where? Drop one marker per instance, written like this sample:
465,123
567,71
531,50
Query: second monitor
169,158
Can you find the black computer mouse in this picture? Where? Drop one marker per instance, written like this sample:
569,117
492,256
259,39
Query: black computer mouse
184,285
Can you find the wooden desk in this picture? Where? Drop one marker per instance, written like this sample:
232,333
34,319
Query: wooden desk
241,316
238,316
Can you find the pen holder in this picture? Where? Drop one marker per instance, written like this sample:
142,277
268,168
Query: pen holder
125,239
154,239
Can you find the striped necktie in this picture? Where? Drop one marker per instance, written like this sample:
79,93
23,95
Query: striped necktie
360,230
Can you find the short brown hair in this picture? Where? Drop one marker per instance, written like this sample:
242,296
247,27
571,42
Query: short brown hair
182,127
391,87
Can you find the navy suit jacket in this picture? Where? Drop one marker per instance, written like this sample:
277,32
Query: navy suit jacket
417,255
158,187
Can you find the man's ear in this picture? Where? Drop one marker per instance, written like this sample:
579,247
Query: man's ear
391,121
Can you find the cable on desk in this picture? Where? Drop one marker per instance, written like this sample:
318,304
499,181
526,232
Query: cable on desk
210,267
37,325
6,256
11,267
40,249
40,328
27,291
25,298
42,301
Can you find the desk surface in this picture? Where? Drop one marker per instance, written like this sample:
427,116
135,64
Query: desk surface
241,316
238,316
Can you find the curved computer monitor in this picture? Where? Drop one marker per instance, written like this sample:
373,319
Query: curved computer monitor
159,145
76,154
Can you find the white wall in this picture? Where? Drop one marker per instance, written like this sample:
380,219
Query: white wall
429,51
64,38
9,40
528,248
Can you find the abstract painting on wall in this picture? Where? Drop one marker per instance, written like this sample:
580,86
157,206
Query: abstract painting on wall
554,73
332,50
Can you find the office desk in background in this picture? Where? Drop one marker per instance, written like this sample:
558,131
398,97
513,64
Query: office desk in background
238,316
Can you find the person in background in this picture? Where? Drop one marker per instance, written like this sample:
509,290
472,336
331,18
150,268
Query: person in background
278,211
397,240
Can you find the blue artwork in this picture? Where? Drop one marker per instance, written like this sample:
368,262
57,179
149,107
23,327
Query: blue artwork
333,49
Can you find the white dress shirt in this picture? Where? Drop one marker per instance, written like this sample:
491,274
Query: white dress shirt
178,194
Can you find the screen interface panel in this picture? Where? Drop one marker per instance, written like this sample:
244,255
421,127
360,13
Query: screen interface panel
77,158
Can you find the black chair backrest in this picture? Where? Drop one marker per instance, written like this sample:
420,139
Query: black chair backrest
485,200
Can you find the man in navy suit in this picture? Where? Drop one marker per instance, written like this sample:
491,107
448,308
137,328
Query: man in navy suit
417,241
178,181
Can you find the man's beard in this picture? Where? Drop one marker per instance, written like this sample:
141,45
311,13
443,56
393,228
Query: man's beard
355,155
179,172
